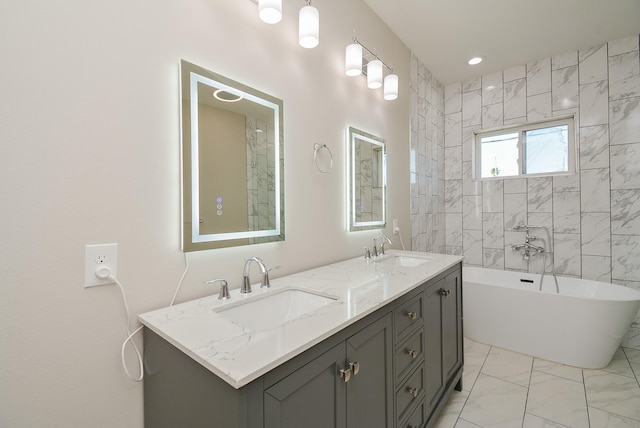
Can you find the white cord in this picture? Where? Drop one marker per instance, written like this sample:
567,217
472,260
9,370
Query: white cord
401,242
186,268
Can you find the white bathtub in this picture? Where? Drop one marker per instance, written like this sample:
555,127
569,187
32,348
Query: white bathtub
582,326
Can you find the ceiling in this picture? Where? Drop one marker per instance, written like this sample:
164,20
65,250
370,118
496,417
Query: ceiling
444,34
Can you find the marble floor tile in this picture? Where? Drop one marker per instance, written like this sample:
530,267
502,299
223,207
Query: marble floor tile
613,393
557,369
466,424
601,419
557,399
495,403
619,364
509,366
452,409
532,421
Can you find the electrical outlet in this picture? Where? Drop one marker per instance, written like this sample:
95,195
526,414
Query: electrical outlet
396,226
104,256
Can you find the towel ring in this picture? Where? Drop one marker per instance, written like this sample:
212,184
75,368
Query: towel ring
317,148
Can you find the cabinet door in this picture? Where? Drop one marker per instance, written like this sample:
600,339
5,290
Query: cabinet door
314,396
451,325
434,384
370,390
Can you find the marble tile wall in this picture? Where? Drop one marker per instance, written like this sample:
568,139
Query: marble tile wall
428,192
594,216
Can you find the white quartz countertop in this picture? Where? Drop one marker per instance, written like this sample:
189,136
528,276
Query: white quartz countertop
240,354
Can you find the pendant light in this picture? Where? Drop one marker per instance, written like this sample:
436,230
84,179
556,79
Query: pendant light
309,26
353,60
391,87
270,11
374,74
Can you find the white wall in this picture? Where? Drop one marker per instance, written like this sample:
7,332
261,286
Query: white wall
89,153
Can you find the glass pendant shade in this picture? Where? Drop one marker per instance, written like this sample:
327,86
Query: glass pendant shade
270,11
391,87
309,21
353,61
374,74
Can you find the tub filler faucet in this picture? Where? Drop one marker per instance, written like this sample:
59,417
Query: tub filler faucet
529,250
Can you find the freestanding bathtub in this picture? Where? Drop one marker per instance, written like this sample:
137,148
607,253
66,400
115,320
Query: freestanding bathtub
581,326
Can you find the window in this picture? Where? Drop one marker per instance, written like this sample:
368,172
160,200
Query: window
541,148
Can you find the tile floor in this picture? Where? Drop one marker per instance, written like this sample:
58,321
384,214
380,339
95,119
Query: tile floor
506,389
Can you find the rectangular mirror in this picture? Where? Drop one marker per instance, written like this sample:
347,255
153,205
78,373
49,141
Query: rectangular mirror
232,162
367,180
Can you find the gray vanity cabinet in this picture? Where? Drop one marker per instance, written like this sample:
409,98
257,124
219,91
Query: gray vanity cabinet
348,386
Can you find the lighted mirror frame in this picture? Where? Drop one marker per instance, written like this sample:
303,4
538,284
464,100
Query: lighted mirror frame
193,238
356,186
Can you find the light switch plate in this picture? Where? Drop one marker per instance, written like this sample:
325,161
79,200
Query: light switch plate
97,257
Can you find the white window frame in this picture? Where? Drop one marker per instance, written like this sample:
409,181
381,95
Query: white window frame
520,129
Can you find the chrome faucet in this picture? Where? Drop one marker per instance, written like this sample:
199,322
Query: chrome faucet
224,288
385,240
246,282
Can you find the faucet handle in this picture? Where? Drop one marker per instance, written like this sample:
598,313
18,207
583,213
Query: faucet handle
367,252
266,282
224,288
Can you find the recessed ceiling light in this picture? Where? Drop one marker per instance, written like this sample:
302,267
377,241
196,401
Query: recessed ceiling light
475,60
228,96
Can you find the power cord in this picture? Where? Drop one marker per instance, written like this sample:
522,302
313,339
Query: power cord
105,273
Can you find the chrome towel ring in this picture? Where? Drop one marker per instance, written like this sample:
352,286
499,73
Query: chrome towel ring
317,148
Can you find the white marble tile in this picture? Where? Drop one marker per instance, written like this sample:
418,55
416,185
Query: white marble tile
564,83
492,196
623,45
492,116
475,354
594,103
453,129
539,194
472,212
469,186
601,419
466,424
493,230
596,268
453,163
594,147
566,212
512,258
539,106
539,77
449,415
567,253
513,73
624,76
468,137
533,421
624,121
564,60
509,366
453,98
613,393
557,399
620,365
493,258
515,210
515,98
472,84
566,183
597,199
472,247
492,88
593,64
515,185
625,212
471,108
495,403
453,196
625,166
596,234
557,369
453,229
625,257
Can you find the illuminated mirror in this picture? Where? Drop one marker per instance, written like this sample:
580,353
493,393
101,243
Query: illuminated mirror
367,180
232,162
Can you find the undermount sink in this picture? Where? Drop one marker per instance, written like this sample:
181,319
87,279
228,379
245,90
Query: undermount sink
274,308
404,261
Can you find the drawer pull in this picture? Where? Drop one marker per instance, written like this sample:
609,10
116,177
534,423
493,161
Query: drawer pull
412,353
445,293
412,391
354,367
412,315
346,374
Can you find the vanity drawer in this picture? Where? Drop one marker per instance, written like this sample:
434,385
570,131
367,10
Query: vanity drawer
409,354
416,419
408,315
409,393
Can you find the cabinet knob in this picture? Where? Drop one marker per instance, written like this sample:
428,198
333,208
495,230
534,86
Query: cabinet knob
412,353
354,367
345,374
412,391
445,293
412,315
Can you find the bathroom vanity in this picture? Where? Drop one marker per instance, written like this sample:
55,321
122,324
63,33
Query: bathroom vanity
379,346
